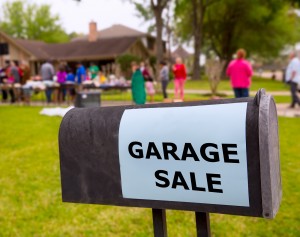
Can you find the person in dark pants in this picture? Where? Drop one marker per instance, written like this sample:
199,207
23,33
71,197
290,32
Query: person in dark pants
293,78
240,72
3,79
164,77
47,74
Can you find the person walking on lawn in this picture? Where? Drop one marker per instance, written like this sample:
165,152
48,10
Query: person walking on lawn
292,77
179,71
137,85
240,72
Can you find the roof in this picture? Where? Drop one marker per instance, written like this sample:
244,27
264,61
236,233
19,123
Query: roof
114,31
36,48
114,41
181,52
12,41
78,50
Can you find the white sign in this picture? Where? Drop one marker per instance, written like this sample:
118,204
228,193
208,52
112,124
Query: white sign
191,154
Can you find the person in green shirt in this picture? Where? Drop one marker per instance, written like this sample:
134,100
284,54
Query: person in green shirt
94,70
137,85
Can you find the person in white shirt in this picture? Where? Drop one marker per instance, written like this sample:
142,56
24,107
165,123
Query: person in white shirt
292,77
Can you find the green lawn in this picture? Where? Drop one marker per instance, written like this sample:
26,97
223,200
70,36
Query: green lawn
30,195
269,85
257,83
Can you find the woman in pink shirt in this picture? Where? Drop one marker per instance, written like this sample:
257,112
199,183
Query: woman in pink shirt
240,72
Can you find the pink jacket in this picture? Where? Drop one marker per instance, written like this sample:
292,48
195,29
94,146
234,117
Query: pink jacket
240,72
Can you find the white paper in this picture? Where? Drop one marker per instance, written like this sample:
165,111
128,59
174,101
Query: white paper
197,125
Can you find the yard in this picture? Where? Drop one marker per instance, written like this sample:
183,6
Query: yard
200,91
30,195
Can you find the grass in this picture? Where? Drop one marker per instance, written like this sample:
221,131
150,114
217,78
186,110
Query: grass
268,84
30,195
257,83
282,99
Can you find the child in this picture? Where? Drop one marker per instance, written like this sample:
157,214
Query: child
149,83
150,88
71,82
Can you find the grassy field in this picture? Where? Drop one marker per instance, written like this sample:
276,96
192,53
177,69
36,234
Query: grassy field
258,83
30,195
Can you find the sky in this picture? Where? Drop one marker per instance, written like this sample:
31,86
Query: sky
75,16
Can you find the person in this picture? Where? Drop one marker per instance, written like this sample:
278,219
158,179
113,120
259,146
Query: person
3,81
94,70
148,81
80,75
14,79
71,80
164,77
26,92
240,72
61,80
25,72
102,78
179,72
142,66
137,85
292,76
47,74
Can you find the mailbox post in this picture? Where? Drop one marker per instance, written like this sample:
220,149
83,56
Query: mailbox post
217,156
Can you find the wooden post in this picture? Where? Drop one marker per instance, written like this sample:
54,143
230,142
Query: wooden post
159,222
202,224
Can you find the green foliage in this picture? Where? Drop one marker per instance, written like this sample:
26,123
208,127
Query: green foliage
32,21
262,27
143,11
125,61
184,20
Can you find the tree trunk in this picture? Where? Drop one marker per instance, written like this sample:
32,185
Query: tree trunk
198,16
159,40
196,61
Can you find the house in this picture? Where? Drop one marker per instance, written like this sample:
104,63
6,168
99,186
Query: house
100,47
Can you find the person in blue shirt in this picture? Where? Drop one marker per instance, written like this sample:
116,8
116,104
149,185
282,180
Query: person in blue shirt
80,74
71,80
70,76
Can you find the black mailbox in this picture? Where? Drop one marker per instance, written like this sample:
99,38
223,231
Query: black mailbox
88,99
228,163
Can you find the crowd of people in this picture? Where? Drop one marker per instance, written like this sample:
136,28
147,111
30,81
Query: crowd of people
16,80
18,84
12,76
142,82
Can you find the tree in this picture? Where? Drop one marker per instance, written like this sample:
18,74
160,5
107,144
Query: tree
125,61
190,19
154,10
262,27
32,21
213,70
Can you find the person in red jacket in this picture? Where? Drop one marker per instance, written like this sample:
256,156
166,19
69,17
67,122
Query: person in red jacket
179,78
